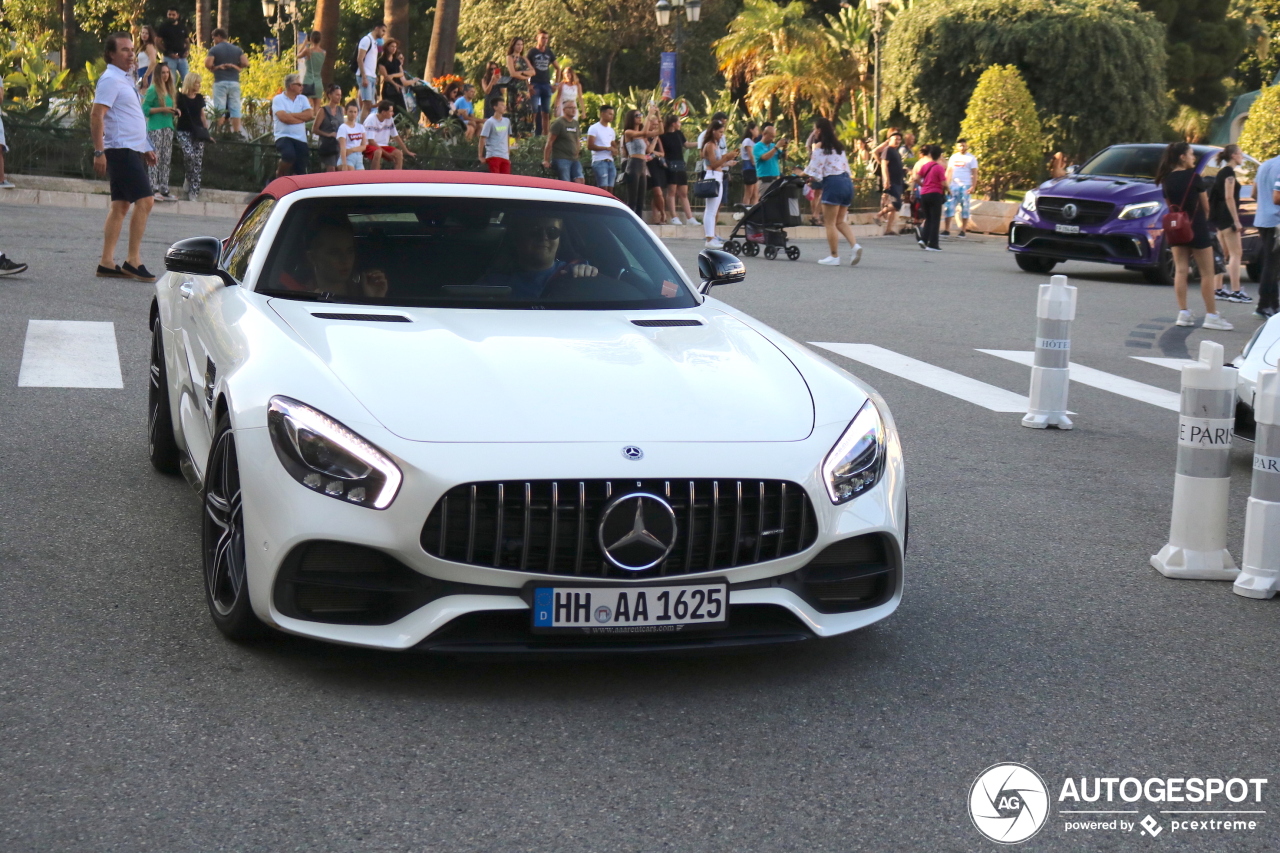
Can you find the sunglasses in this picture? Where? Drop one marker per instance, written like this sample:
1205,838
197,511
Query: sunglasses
548,232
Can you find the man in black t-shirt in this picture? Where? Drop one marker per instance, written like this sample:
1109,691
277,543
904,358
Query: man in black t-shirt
544,71
892,180
174,35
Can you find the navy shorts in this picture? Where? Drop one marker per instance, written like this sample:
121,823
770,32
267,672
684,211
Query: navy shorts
295,152
837,190
127,174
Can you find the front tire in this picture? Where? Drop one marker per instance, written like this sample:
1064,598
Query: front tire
162,447
1034,263
226,582
1162,272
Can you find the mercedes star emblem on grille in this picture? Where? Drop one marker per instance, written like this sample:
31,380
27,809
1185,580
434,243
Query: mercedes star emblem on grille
1069,211
637,531
633,453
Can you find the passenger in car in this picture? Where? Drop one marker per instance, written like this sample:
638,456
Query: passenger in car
328,263
530,264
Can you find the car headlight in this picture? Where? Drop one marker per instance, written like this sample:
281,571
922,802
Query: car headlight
1140,211
1029,200
328,458
856,462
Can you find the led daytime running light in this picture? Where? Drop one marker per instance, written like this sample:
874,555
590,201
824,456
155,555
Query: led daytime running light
862,442
299,415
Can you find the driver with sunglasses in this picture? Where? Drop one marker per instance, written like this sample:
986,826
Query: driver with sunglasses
530,264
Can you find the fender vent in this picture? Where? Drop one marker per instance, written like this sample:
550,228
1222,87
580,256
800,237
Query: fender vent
371,318
659,324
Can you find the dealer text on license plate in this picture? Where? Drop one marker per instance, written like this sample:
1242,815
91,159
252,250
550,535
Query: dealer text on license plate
630,610
1067,229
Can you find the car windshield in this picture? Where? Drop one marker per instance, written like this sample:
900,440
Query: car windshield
470,253
1125,162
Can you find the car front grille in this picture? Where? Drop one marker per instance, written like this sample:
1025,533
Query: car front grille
550,526
1087,212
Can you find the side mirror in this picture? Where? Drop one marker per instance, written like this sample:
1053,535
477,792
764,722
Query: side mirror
197,256
1072,169
716,267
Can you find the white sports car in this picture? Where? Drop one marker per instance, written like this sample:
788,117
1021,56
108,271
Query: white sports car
1261,353
467,413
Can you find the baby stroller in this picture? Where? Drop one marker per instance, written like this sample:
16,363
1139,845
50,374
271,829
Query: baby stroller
915,216
764,223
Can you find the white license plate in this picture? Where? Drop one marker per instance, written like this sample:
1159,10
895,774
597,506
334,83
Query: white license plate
1067,229
630,610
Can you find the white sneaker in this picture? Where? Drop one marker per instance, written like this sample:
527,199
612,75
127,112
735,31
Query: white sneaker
675,220
7,185
1213,321
931,249
1184,319
856,256
692,221
830,261
713,243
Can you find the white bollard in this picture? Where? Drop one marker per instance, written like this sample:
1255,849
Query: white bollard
1050,372
1197,548
1261,573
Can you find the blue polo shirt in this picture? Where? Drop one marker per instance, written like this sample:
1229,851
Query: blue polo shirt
1268,215
770,168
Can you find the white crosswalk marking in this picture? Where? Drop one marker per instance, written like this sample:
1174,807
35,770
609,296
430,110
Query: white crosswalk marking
930,376
70,354
1102,380
1171,363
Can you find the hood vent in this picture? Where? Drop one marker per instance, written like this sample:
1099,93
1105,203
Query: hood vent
371,318
660,324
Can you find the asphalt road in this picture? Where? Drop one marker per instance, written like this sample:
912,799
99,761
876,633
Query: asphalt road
1032,628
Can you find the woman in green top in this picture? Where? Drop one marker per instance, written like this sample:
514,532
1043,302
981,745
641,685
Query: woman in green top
312,82
159,106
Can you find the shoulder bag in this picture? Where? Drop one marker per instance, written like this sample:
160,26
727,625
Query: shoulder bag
1177,222
705,187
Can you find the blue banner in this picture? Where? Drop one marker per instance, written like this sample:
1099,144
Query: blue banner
270,47
667,74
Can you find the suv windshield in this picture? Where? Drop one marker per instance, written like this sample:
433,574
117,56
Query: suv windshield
470,253
1125,162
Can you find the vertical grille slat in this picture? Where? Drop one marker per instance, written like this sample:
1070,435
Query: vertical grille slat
555,527
720,524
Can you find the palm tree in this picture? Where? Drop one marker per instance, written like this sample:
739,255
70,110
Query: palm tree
761,30
444,39
802,73
327,23
849,34
395,14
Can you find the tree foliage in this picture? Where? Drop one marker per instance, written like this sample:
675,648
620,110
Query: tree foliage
1004,131
613,44
1095,67
1261,134
1203,44
1260,63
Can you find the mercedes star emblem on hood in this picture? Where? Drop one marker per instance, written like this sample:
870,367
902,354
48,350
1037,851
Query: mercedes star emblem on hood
637,531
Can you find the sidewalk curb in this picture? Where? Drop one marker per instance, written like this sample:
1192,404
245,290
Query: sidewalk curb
94,195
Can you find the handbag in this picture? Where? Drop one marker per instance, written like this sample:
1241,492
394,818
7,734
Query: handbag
705,188
200,133
328,146
1177,222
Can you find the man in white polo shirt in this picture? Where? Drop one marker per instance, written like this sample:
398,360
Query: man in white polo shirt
290,111
122,153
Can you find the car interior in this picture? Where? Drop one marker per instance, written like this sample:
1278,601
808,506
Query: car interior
466,252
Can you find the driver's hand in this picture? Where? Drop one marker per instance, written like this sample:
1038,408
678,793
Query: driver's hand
583,271
374,284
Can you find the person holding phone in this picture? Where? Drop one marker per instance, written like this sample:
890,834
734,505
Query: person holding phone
716,165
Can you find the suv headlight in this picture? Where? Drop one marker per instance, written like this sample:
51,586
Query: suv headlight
1029,200
1139,211
856,462
328,458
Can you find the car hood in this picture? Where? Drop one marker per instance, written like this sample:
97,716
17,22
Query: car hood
1116,190
463,375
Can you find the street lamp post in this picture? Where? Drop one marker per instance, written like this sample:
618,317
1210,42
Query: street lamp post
877,11
665,11
285,15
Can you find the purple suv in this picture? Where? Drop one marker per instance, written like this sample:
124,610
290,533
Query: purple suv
1109,210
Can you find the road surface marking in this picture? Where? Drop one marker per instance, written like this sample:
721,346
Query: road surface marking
70,354
1105,381
930,376
1171,363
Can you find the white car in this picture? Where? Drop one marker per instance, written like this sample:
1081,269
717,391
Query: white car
1261,353
466,413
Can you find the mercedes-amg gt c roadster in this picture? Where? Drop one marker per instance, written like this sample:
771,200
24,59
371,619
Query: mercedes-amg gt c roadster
466,413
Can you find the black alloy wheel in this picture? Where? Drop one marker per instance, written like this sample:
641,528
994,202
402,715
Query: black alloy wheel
226,583
162,447
1034,263
1163,271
